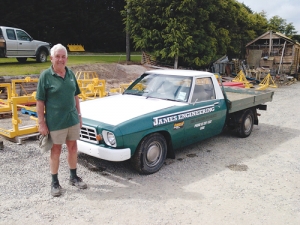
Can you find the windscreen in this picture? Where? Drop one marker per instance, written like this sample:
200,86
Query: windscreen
168,87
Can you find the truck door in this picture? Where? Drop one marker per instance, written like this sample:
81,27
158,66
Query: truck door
25,46
207,114
11,42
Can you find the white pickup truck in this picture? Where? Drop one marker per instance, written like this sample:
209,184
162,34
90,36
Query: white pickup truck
16,43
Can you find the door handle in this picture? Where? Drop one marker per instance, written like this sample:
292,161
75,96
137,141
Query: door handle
216,104
20,43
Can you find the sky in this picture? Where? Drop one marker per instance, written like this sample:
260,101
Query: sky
286,9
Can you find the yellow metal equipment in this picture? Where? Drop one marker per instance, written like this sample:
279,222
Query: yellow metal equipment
236,65
242,78
86,75
267,82
14,83
90,85
217,75
123,87
31,110
11,89
115,91
91,90
5,106
75,48
139,87
16,130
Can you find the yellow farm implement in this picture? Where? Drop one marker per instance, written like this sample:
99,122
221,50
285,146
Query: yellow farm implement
90,85
267,82
5,106
75,48
20,132
20,82
242,78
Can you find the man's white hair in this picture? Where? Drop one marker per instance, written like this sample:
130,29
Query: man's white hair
58,47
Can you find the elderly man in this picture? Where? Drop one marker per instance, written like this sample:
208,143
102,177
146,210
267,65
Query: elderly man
59,115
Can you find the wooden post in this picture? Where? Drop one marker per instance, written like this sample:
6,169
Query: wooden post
176,62
270,42
281,57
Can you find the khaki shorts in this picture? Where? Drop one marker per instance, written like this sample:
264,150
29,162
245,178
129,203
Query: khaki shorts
70,134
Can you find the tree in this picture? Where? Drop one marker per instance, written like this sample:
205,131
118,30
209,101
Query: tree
127,32
192,32
290,30
162,27
276,23
174,29
296,38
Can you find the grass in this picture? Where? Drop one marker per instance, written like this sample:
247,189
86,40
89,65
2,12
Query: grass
11,67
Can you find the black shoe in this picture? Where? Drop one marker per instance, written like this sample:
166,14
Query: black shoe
55,189
77,182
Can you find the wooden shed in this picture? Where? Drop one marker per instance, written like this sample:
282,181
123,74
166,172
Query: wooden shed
274,51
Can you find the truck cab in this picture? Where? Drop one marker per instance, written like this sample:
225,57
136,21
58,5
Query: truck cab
17,43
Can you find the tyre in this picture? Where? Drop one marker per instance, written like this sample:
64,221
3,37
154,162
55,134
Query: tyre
22,59
150,154
245,127
41,56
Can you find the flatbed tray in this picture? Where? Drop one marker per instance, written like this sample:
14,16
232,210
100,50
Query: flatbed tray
241,98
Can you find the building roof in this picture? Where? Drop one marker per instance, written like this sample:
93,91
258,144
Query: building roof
274,34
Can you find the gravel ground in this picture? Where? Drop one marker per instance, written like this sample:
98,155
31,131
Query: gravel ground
223,180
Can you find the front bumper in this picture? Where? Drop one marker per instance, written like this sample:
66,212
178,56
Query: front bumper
104,153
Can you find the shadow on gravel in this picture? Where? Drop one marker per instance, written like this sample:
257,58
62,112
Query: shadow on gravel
192,164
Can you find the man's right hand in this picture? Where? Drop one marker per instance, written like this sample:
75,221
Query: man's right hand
43,128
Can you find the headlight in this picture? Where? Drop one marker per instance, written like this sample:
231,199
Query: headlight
109,138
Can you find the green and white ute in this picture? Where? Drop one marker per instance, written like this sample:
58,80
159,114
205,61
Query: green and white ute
164,110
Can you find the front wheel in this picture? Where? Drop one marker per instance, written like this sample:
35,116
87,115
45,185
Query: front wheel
150,154
41,56
246,124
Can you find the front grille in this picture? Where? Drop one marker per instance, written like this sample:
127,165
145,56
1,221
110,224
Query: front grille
88,134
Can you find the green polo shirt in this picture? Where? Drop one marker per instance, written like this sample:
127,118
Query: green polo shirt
59,96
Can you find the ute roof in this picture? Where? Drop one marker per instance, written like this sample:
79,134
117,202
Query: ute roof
179,72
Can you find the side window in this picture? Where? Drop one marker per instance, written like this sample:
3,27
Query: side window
22,36
204,90
11,34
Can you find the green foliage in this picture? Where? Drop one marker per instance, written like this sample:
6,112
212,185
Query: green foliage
198,32
276,23
296,37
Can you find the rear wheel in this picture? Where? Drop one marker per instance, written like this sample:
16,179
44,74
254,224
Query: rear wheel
245,127
150,154
22,59
41,56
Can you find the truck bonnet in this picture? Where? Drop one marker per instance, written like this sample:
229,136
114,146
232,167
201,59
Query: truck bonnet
116,109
